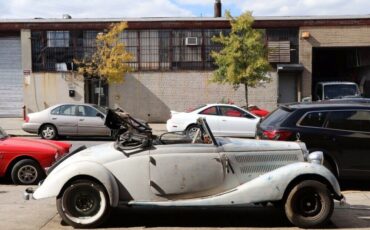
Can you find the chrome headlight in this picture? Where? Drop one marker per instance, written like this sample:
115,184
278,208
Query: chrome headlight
316,157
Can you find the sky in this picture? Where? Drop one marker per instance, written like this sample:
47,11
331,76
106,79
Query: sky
13,9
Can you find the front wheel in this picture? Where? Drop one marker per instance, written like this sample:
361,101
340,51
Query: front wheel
309,204
84,204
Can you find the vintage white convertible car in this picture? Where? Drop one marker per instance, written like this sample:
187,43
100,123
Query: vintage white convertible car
140,169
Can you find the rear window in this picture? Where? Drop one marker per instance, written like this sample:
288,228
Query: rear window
276,117
314,119
210,111
189,110
350,120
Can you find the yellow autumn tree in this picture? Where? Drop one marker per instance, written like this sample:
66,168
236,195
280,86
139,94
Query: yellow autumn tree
109,61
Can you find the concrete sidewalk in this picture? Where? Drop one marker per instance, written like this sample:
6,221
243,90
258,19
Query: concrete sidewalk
13,126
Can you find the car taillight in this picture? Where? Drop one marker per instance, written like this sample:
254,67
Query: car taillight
27,119
277,134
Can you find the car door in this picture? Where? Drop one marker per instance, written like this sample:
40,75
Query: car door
185,169
91,122
213,119
65,120
236,122
350,134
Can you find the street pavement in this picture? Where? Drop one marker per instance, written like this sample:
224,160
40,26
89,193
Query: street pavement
16,213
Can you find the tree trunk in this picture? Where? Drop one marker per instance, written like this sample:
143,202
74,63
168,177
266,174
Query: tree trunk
246,94
99,93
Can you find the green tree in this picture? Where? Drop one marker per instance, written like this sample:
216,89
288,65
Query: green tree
242,60
109,61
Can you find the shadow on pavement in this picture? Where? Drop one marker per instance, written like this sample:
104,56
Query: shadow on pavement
197,217
361,185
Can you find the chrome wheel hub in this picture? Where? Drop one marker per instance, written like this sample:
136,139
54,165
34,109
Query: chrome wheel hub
48,133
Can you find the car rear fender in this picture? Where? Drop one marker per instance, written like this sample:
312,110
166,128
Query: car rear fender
54,184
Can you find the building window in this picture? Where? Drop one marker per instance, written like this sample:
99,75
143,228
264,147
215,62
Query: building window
58,38
283,45
152,50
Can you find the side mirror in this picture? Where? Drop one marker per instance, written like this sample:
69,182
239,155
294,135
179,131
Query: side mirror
100,115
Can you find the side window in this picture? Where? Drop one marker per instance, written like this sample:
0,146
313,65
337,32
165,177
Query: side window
81,111
350,120
90,112
55,111
231,112
209,111
67,110
314,119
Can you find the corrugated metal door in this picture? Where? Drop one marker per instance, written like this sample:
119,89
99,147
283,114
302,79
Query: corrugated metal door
11,77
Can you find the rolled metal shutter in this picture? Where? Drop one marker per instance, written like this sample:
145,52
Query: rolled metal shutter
11,77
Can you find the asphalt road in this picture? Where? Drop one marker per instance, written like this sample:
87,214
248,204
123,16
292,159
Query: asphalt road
16,213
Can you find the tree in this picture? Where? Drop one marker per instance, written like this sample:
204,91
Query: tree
109,61
242,60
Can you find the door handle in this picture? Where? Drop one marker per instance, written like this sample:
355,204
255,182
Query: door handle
54,118
223,120
82,119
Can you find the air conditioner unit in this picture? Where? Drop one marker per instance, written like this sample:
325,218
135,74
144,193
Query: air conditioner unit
191,41
61,67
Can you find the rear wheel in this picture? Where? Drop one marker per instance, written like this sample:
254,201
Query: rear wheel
84,204
26,172
48,132
191,131
309,204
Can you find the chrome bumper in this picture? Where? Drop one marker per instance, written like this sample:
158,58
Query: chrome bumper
28,193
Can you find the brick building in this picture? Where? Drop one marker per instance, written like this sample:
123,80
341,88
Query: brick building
172,62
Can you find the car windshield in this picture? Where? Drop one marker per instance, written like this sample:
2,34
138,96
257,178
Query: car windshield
338,91
3,134
100,109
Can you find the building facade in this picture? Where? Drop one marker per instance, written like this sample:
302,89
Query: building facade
172,63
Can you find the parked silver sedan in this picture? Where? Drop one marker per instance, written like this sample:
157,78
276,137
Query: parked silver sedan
68,120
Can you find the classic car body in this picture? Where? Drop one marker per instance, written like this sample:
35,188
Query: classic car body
25,160
141,170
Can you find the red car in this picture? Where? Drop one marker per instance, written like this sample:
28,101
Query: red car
25,160
257,111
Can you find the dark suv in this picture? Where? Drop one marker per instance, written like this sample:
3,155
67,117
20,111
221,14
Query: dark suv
341,129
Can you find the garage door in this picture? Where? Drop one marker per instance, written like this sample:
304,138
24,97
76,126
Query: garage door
11,86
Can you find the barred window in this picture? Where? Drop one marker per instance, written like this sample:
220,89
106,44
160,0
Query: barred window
58,38
152,50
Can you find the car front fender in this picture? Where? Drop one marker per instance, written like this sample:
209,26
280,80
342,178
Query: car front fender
56,180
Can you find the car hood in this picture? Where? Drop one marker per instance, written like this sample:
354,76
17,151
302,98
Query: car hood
239,144
32,145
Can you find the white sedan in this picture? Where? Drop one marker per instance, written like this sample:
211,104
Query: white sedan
223,119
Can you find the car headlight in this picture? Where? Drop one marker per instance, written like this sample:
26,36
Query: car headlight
316,157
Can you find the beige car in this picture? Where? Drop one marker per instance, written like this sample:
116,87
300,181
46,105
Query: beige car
68,120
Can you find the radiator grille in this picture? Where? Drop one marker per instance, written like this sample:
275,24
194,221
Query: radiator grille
266,158
256,163
259,168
